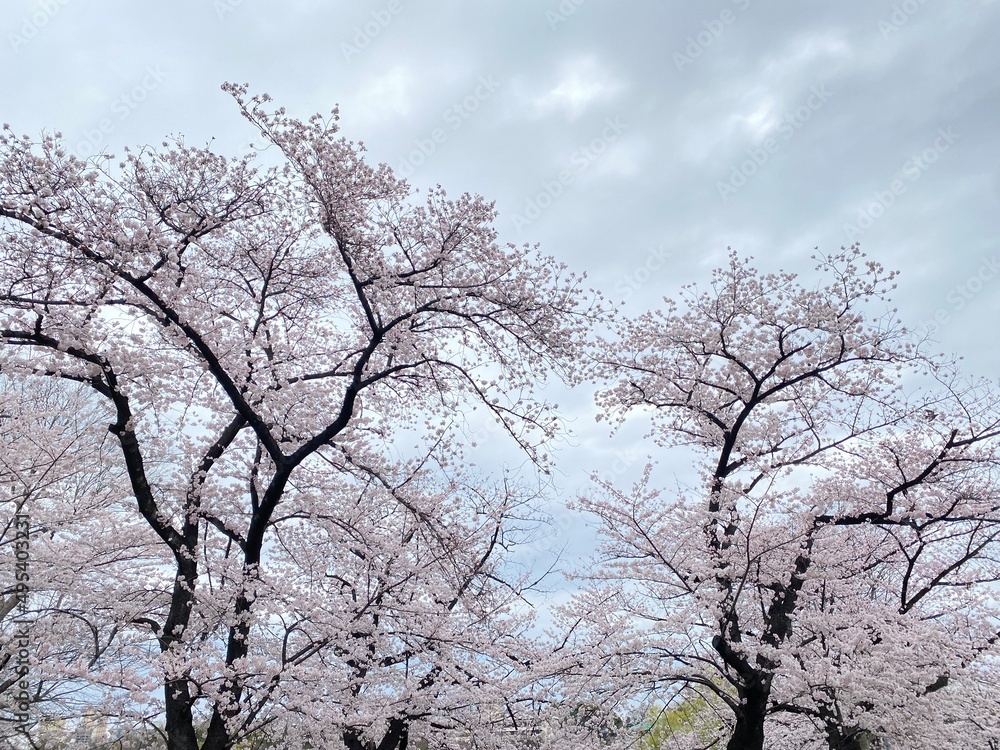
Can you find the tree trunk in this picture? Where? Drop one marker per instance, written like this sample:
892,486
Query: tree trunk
179,720
177,701
748,733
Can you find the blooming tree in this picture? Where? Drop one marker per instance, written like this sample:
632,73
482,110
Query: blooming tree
279,356
834,559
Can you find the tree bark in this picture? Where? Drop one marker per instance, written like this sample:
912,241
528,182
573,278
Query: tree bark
748,734
177,700
179,719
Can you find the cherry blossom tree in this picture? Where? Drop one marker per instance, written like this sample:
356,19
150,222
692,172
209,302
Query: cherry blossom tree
833,559
280,357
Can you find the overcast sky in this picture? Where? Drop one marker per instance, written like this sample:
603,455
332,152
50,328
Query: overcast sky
634,140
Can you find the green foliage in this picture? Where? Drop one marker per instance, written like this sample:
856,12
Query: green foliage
691,716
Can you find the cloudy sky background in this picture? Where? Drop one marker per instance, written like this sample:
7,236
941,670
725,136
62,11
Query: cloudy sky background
634,140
